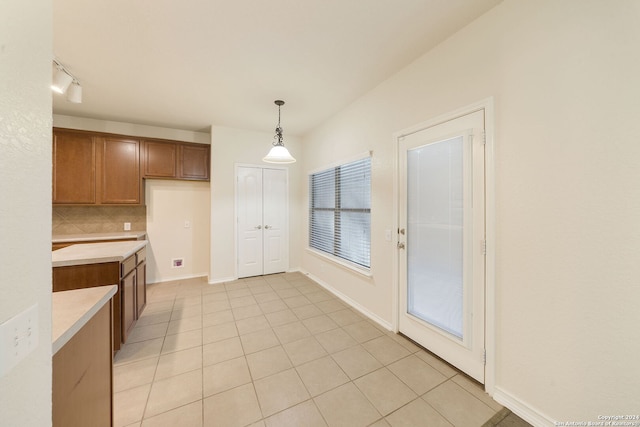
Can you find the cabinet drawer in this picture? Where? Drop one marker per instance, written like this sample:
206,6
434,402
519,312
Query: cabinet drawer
128,265
141,255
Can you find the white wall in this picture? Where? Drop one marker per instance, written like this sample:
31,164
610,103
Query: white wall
228,147
25,200
169,205
564,75
129,129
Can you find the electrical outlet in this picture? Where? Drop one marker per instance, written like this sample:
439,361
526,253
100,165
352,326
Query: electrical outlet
18,338
177,263
127,226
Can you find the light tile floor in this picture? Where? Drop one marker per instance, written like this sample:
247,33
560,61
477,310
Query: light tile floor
280,350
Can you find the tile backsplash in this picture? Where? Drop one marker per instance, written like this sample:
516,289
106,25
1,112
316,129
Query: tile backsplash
97,219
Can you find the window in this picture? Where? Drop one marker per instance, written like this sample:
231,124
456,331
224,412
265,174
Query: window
340,211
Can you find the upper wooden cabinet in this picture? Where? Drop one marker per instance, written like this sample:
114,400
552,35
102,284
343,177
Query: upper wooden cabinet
74,168
194,161
175,160
95,169
160,159
119,171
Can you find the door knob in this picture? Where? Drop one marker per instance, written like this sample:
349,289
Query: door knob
258,227
266,227
400,245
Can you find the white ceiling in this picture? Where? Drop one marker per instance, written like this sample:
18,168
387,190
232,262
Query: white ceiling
194,63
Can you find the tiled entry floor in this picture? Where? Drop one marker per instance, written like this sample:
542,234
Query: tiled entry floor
280,351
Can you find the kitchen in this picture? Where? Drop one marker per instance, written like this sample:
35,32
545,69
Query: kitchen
559,51
99,181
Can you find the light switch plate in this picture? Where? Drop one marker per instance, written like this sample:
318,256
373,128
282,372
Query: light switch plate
127,226
18,338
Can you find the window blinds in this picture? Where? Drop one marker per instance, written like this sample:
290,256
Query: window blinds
340,211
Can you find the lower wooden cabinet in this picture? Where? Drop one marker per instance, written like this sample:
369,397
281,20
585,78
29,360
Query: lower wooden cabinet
128,302
128,299
82,390
88,276
141,281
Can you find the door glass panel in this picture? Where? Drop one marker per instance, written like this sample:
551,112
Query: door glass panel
435,197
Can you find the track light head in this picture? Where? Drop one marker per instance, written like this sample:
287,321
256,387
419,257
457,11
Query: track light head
61,81
74,94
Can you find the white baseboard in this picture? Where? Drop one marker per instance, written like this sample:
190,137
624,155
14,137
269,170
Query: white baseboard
521,409
224,279
172,279
349,301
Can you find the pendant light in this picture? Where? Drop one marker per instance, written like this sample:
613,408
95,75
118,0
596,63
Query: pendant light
278,153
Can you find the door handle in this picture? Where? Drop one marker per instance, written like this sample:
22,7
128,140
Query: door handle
266,227
258,227
400,245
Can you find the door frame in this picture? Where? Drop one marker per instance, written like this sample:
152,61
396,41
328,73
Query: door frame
487,105
235,210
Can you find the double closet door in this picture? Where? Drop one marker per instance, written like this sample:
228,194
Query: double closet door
262,221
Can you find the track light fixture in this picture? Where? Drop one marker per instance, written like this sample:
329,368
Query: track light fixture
278,153
64,81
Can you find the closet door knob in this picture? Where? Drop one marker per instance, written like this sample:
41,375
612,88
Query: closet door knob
258,227
266,227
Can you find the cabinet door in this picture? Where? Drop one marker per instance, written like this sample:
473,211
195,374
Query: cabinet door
128,303
82,391
160,159
119,171
74,168
141,287
194,162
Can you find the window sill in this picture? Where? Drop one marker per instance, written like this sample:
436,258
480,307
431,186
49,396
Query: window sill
342,263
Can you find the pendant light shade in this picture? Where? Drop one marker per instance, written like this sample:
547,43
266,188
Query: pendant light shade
278,153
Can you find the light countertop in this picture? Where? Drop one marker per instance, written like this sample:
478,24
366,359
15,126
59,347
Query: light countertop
95,253
63,238
71,310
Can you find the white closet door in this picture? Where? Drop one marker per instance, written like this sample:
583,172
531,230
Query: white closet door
250,236
262,221
274,199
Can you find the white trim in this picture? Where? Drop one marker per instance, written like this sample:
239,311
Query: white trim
443,118
521,409
341,262
223,280
386,325
487,105
189,276
490,247
341,162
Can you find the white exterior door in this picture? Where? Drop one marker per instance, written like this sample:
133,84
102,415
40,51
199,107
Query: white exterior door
441,240
261,195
